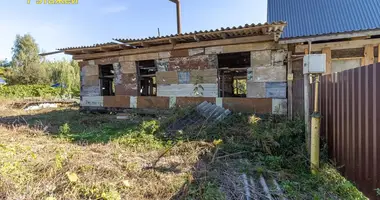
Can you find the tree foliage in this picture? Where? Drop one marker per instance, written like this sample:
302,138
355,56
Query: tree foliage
27,68
25,51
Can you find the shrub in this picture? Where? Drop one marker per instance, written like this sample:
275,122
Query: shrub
21,91
64,129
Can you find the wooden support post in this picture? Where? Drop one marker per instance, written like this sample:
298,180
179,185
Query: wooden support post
138,79
362,61
307,90
327,51
368,54
223,83
290,85
378,53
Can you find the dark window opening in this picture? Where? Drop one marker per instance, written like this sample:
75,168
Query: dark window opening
106,76
233,74
146,77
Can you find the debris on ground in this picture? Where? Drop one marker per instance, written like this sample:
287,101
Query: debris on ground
203,113
210,153
42,106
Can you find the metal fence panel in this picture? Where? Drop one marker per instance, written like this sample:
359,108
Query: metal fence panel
350,123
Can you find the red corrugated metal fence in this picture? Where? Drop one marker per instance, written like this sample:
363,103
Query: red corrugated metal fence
351,123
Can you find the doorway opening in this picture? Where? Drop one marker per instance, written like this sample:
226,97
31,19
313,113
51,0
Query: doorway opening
146,77
232,69
106,76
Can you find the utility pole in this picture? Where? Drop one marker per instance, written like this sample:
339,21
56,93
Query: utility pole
307,90
178,5
314,67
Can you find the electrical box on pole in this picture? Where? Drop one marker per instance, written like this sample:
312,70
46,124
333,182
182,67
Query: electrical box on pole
314,64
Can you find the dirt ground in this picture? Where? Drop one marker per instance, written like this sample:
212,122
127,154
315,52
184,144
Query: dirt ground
64,154
91,157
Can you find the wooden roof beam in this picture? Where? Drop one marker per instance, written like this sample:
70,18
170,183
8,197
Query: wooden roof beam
277,36
169,47
196,38
173,41
223,35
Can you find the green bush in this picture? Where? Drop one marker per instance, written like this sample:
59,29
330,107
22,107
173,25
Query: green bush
21,91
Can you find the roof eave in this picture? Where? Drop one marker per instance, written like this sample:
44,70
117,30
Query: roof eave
326,37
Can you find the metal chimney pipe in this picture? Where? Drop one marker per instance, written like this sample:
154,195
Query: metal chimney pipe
178,5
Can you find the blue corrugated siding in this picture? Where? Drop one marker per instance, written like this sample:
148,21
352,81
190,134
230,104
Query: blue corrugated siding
319,17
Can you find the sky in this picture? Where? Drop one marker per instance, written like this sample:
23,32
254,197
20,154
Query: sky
99,21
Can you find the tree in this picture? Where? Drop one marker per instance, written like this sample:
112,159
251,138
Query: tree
25,51
26,68
5,63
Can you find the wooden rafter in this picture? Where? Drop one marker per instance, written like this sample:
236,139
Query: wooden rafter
169,47
256,33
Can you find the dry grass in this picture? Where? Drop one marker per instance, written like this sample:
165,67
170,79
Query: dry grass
37,164
64,154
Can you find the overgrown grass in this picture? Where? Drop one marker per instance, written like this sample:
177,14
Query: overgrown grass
273,146
90,156
64,154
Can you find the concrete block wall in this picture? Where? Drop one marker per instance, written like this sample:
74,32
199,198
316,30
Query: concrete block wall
184,70
180,70
266,78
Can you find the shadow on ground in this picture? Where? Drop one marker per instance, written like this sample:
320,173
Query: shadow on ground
85,127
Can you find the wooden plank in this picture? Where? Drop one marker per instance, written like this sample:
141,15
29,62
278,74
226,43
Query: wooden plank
351,58
196,51
260,43
118,101
128,67
137,57
179,53
249,47
128,79
90,70
153,102
368,54
347,53
341,65
339,45
90,81
204,76
90,91
169,77
107,61
162,64
269,73
187,90
275,90
126,89
290,85
331,37
255,89
94,101
191,63
327,51
189,101
248,105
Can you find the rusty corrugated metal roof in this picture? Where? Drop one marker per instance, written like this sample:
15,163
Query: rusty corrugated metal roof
222,33
246,26
90,46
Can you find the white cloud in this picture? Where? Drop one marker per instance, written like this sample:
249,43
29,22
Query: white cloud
114,9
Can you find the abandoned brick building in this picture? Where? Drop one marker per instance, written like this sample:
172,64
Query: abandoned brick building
241,68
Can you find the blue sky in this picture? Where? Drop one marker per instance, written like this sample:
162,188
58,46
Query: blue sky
98,21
